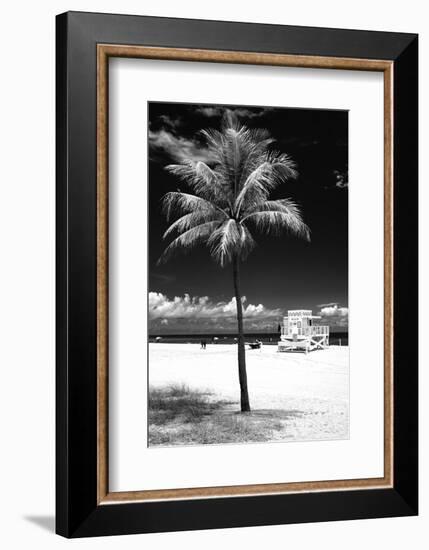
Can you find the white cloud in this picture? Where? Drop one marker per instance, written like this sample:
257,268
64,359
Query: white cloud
341,179
178,147
334,314
334,310
328,304
161,307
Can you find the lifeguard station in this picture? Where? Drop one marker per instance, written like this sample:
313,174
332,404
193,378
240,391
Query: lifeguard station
299,333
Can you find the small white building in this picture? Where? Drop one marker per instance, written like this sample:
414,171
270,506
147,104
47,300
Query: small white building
300,332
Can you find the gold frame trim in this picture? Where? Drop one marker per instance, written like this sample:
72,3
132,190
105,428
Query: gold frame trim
104,52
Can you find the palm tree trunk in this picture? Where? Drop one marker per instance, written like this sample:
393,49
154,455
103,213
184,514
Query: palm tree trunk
242,374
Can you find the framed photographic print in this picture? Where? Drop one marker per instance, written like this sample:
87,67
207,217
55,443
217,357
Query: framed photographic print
236,274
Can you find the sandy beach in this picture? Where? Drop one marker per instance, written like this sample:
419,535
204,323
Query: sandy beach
308,395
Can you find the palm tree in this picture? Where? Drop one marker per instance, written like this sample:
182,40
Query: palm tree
229,201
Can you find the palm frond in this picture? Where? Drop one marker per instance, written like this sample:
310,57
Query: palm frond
256,153
192,220
204,181
213,138
247,242
237,150
256,188
281,205
283,164
275,217
230,121
177,202
189,239
233,151
230,240
276,168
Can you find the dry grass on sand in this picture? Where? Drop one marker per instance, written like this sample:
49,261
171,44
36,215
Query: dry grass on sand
181,416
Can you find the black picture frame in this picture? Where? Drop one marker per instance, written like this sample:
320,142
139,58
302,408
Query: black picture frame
78,513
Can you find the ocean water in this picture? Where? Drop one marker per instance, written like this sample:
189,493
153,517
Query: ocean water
335,338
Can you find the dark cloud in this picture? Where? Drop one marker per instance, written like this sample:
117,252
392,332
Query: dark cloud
243,113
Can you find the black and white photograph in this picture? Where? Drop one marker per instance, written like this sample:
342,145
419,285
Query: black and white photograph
211,312
248,274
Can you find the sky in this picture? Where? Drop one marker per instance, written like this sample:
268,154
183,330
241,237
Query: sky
191,293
